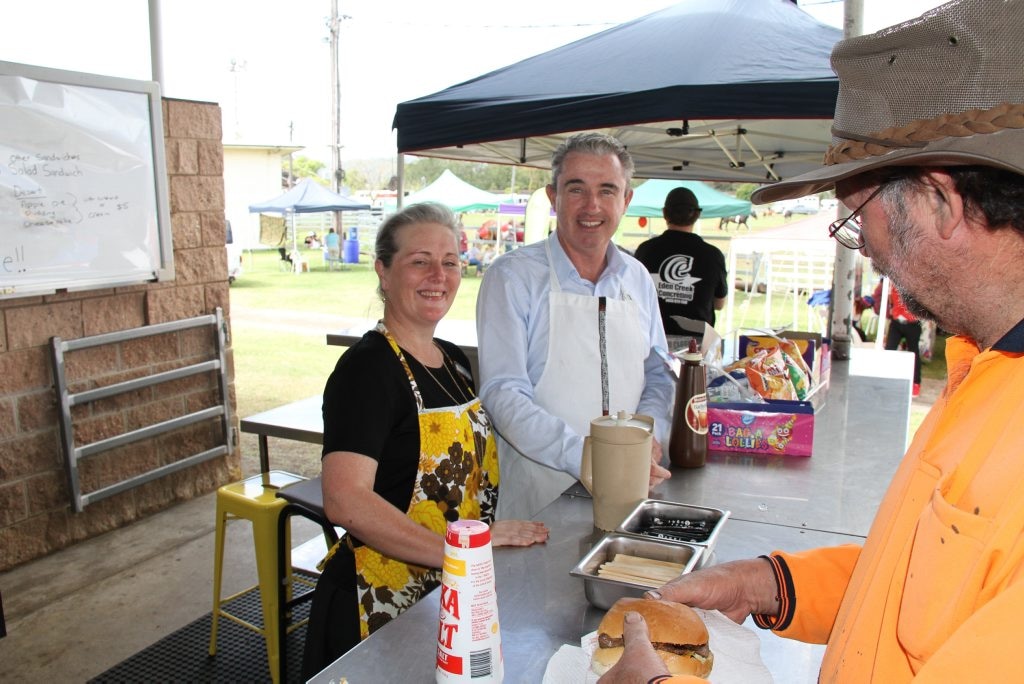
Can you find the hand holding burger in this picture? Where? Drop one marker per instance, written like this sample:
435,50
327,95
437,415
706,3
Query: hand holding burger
659,637
639,662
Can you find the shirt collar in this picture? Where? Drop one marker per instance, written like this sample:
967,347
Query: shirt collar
615,265
1013,341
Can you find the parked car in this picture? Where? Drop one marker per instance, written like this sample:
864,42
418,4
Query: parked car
790,207
787,208
805,208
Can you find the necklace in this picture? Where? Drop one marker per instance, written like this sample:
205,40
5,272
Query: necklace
445,361
464,387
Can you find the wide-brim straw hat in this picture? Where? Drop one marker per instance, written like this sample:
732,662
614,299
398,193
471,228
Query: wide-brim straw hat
945,89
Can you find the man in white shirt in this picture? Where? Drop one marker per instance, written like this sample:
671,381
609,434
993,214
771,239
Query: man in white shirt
546,369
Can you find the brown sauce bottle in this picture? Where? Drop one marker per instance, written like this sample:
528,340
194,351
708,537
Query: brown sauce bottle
688,443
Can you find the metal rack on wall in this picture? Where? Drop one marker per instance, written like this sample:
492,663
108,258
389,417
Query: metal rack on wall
73,454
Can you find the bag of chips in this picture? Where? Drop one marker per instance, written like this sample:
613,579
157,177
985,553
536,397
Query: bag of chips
768,374
801,380
793,350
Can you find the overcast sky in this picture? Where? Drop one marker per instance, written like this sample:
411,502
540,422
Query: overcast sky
267,62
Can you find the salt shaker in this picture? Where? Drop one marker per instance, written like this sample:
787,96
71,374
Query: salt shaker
468,635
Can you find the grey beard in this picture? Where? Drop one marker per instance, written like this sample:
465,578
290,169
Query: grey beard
903,234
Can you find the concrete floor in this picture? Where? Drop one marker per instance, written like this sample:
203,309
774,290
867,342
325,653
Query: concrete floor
75,613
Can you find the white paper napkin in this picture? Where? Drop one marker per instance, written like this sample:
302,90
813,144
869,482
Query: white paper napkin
737,656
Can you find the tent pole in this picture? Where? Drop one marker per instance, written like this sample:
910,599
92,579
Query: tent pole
156,43
400,197
295,243
841,322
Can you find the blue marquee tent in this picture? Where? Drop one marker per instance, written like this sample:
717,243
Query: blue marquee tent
307,197
715,90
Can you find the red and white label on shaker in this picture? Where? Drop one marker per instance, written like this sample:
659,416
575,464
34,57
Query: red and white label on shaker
468,634
697,413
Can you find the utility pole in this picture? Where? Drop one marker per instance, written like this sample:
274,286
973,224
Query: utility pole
236,68
337,174
291,155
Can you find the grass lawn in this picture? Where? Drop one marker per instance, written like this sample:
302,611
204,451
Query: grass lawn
349,292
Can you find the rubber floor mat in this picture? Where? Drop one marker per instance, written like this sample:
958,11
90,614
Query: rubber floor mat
241,653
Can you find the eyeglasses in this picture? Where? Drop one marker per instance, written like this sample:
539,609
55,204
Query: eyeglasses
846,231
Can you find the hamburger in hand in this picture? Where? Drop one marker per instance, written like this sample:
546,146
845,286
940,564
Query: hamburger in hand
677,633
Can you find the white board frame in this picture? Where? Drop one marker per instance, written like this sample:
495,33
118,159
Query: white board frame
136,166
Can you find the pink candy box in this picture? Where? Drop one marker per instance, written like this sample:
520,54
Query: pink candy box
774,428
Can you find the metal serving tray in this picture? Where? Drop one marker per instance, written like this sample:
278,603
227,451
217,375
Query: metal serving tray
671,521
602,592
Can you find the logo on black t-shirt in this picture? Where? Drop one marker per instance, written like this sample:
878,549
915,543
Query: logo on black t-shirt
675,284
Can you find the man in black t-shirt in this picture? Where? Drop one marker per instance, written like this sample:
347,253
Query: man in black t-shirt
688,273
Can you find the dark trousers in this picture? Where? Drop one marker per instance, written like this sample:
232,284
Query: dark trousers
911,332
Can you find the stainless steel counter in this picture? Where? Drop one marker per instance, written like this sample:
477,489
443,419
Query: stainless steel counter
776,502
860,434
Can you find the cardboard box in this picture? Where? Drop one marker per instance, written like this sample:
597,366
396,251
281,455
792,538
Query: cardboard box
813,348
777,427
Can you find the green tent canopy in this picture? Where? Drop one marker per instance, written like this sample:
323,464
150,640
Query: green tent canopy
649,198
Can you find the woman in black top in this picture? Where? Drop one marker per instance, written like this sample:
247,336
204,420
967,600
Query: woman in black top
407,445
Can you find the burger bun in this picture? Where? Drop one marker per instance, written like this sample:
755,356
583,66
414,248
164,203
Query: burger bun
669,624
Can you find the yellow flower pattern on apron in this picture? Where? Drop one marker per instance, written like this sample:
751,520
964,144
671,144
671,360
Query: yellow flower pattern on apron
457,478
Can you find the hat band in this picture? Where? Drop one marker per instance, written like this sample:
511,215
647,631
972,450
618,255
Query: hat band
923,131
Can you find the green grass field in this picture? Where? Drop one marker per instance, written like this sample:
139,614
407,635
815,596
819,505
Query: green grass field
348,292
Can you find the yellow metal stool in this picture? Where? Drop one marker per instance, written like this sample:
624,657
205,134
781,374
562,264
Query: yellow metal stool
254,499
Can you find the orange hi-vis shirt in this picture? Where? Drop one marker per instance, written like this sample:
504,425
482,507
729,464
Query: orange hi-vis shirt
935,593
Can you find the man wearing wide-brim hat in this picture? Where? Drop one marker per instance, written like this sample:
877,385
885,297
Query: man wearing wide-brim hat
928,153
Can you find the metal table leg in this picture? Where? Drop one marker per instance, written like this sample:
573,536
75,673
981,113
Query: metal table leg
264,455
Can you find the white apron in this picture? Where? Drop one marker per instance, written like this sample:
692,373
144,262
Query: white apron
570,387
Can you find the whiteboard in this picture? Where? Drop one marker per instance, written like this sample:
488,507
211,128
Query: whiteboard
83,183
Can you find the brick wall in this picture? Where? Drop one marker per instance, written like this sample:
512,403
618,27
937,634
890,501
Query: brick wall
36,514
